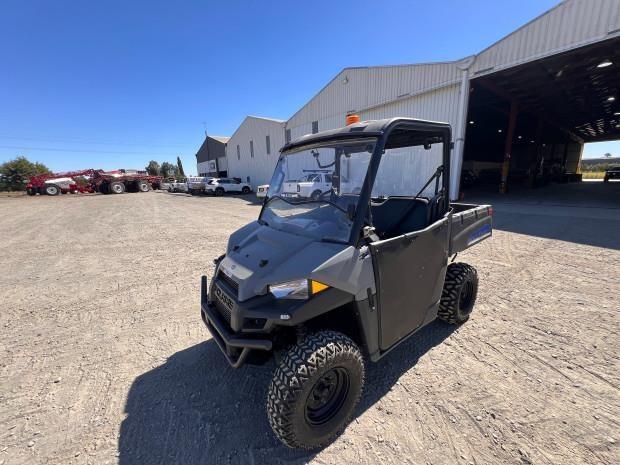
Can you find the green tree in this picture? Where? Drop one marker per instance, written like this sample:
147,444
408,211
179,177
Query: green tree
180,167
14,174
168,170
153,168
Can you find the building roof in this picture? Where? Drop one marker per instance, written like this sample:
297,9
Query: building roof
275,120
261,118
222,139
568,25
212,147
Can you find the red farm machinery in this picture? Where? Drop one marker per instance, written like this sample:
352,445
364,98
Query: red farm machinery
91,180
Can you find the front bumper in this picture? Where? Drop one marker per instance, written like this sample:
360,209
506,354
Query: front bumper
236,348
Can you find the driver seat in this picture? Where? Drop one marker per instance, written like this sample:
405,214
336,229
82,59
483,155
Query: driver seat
396,216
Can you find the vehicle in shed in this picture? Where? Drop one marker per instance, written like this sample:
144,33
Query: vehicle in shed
319,284
612,173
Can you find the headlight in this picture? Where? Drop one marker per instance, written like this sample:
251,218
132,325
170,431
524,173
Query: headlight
298,289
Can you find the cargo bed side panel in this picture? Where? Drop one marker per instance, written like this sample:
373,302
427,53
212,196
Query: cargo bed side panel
469,226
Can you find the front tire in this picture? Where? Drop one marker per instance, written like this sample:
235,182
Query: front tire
245,190
315,389
459,294
219,192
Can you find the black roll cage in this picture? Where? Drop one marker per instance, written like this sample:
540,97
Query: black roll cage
389,133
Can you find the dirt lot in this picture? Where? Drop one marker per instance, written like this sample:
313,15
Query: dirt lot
105,358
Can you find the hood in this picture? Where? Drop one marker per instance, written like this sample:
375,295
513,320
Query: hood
258,256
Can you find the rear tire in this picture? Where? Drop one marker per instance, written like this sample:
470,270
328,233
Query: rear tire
219,192
315,389
143,186
459,293
51,189
245,190
31,191
116,187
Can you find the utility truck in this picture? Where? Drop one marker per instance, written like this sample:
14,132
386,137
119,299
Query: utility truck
196,185
322,285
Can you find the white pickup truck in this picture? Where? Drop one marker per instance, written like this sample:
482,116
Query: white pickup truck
310,186
197,184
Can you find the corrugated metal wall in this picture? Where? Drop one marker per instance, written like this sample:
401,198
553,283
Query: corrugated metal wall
571,24
437,105
258,168
355,89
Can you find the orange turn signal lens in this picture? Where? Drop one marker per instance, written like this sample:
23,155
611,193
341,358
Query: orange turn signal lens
316,287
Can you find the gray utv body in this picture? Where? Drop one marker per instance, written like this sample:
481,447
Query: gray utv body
382,287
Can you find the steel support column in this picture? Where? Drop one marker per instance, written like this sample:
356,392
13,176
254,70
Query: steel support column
512,122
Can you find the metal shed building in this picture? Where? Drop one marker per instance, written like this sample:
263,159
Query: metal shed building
523,106
211,157
253,150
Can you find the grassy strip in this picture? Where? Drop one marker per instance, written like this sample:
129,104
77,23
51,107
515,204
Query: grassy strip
593,175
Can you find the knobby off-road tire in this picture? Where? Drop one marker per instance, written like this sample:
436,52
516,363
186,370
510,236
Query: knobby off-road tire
315,389
459,293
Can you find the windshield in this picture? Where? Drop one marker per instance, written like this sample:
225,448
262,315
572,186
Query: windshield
314,192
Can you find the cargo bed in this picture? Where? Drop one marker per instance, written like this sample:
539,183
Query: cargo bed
469,225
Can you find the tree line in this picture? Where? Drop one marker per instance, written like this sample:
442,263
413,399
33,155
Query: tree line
14,174
166,169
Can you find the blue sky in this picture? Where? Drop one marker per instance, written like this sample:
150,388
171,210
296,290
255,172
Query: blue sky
114,84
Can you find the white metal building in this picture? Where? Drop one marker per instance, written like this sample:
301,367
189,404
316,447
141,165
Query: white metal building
253,149
528,102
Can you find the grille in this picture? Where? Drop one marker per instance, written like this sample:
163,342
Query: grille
222,310
231,283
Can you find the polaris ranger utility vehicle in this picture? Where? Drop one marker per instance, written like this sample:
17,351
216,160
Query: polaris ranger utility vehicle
323,283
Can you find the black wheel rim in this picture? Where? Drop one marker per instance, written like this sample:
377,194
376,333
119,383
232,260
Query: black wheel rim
465,299
327,396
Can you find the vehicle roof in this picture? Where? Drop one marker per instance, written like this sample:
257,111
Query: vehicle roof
371,128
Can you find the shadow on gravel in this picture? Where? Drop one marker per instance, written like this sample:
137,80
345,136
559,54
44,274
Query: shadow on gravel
583,213
195,409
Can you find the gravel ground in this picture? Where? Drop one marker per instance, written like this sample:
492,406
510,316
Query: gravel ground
105,358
